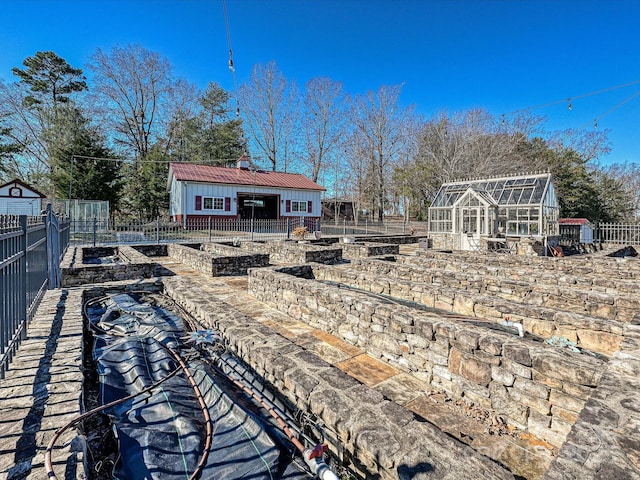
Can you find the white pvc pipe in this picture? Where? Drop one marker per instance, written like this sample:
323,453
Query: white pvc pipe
319,467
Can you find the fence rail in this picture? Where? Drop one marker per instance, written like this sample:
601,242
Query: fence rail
104,232
108,232
29,264
618,233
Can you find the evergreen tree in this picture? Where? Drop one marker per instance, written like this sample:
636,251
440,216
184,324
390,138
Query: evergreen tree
148,194
83,167
50,78
210,136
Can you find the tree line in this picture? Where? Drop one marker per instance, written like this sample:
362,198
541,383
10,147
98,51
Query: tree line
113,136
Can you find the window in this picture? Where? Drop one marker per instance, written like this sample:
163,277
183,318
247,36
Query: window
299,206
213,203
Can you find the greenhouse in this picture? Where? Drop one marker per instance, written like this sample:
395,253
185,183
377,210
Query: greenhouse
471,214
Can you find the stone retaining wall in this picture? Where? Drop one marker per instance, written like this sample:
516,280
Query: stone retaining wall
154,250
214,264
529,273
396,239
286,251
628,267
352,251
533,386
603,442
612,305
135,265
404,282
380,439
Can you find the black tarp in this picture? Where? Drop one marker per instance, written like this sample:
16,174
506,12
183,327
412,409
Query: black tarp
161,434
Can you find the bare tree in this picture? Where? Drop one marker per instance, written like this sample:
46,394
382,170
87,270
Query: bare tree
323,123
380,136
269,105
628,174
26,128
131,87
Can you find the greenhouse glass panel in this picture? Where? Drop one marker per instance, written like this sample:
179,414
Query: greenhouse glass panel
526,195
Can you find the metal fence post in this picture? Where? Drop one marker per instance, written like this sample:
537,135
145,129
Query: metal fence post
23,286
210,229
158,230
288,228
344,226
95,230
366,226
252,229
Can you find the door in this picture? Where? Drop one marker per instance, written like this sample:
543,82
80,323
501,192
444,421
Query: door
470,226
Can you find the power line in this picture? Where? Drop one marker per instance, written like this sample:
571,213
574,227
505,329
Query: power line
215,161
570,99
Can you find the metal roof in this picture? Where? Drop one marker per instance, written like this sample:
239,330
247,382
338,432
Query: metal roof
191,172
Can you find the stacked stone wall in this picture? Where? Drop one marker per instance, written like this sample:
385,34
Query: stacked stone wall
529,273
284,251
535,387
214,264
156,250
379,438
603,442
396,239
628,267
403,282
135,265
352,251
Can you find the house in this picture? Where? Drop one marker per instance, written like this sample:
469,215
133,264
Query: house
199,192
467,213
18,198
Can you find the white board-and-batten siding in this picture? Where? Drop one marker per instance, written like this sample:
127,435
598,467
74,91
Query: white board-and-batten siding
30,203
183,197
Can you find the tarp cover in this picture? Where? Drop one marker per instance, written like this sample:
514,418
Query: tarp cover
161,434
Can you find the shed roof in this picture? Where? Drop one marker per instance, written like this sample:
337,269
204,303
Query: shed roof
191,172
574,221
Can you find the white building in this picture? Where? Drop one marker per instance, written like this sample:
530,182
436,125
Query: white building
198,192
18,198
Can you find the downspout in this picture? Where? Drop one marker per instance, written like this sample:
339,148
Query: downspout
184,205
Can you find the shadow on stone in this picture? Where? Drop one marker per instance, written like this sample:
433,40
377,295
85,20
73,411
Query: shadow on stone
26,447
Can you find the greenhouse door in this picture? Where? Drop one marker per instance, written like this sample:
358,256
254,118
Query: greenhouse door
470,227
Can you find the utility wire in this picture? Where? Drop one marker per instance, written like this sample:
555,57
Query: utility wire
576,97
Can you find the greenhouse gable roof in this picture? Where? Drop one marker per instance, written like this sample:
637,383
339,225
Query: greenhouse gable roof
501,191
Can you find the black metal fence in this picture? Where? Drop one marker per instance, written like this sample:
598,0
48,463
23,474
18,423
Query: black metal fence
30,252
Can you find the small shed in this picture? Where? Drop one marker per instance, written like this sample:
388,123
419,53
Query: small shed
578,230
198,192
467,213
18,198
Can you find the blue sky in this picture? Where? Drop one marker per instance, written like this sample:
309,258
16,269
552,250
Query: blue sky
450,55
